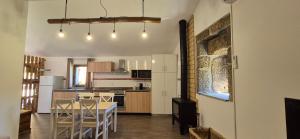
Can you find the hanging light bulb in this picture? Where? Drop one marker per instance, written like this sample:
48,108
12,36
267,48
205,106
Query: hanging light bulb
61,33
114,34
89,36
144,33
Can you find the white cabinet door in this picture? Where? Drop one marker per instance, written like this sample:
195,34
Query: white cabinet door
170,63
171,91
45,98
157,93
157,63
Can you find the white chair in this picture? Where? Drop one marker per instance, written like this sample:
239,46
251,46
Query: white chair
65,117
86,96
90,117
108,97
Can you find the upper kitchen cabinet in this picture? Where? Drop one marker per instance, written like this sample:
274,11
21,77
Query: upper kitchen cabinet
101,66
164,63
139,63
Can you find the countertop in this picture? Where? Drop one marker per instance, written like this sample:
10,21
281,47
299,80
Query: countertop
103,89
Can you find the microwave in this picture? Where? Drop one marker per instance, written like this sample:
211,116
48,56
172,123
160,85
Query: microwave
141,74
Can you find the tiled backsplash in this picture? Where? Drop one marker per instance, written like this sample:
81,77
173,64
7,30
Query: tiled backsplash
120,83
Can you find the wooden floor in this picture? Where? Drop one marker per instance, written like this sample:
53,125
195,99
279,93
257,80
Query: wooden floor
129,127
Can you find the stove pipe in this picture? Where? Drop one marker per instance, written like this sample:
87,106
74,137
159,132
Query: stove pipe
183,58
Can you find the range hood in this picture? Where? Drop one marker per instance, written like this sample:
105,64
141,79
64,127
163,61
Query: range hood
122,67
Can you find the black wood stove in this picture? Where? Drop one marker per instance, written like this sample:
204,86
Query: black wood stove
183,109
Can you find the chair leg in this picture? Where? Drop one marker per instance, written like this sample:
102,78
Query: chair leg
111,123
72,132
97,132
91,134
80,132
55,132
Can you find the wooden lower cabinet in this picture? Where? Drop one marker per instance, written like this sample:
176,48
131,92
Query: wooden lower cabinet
25,121
138,102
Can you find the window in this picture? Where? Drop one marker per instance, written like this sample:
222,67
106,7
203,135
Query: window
214,60
79,76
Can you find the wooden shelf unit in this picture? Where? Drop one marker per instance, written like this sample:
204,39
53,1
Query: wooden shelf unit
31,77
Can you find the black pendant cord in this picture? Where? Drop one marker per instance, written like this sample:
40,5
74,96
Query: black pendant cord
143,8
143,13
89,29
114,25
101,4
66,9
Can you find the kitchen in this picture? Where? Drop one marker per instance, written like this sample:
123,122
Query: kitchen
130,78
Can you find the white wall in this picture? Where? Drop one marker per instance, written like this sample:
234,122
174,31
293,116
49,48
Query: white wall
214,113
266,40
13,14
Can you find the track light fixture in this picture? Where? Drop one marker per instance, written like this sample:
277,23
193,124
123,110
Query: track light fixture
104,19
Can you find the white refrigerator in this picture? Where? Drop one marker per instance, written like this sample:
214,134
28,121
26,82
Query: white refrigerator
47,85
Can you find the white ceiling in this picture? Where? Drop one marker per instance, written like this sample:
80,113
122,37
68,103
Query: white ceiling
42,37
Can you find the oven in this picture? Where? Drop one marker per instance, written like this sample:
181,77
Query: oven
119,98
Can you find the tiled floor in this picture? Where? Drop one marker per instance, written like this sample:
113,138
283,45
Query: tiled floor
129,127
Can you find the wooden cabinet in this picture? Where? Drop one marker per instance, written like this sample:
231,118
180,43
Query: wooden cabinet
100,67
25,120
138,102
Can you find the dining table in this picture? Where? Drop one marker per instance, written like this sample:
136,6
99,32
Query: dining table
104,108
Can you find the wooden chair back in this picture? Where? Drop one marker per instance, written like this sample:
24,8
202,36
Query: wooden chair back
64,110
86,96
89,109
106,97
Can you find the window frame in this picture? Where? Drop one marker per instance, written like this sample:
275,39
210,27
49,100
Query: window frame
74,74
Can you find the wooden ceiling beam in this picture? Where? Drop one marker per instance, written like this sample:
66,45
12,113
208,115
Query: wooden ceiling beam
105,20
